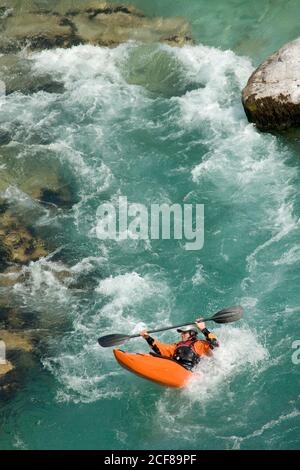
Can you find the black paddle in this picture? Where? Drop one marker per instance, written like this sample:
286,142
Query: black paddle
227,315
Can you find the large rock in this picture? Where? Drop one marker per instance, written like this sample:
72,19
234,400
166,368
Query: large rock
99,24
271,97
37,31
48,183
110,26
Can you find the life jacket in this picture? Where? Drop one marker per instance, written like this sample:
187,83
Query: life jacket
185,354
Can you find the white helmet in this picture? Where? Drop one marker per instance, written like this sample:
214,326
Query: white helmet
187,329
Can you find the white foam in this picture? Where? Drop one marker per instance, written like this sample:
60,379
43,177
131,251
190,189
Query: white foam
199,276
94,83
44,285
131,290
206,64
291,256
238,155
81,385
220,72
86,371
78,63
239,350
43,289
248,302
88,264
248,167
19,443
237,440
283,222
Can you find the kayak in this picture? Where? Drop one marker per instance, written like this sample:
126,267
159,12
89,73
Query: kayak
161,370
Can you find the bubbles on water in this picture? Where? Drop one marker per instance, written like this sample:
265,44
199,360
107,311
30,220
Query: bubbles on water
127,294
85,371
291,256
213,384
239,349
199,276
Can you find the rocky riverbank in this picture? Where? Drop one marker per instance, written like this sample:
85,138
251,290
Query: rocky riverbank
18,246
96,23
21,245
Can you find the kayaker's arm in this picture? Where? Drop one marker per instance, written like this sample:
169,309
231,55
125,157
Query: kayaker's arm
157,347
210,337
151,341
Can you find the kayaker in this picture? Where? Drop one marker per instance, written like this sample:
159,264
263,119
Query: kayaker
189,350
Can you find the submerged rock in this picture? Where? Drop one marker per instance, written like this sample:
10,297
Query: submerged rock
11,275
18,243
49,182
271,98
17,75
98,23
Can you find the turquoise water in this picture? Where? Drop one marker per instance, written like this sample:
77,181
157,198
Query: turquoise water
161,124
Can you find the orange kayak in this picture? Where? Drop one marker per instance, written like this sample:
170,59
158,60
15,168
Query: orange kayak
158,369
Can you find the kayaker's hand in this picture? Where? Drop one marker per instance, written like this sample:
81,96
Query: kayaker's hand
144,334
200,324
213,340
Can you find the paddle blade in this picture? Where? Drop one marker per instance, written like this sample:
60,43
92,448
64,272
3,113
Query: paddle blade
112,340
228,315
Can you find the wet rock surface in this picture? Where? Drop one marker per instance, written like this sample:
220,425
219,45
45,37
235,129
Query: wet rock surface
17,246
98,23
16,341
271,98
5,368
